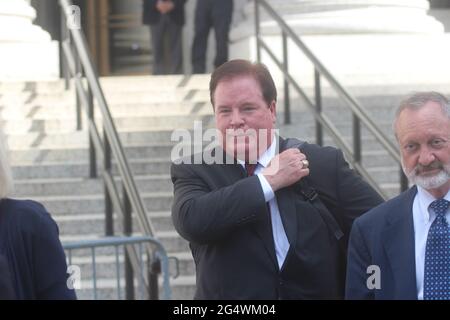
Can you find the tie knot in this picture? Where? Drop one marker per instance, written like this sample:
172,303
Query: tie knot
250,168
440,206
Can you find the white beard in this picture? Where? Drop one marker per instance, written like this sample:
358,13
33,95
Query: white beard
427,183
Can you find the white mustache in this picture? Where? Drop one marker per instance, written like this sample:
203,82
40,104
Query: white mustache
435,165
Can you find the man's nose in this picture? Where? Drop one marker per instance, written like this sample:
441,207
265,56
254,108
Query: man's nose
236,118
426,156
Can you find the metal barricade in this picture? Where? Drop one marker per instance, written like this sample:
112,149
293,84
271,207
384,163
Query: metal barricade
150,266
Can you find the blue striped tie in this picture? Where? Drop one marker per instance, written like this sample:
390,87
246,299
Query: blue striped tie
437,255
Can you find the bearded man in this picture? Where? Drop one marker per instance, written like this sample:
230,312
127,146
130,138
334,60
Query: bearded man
401,249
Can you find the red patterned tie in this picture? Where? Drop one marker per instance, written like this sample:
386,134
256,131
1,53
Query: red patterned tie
250,169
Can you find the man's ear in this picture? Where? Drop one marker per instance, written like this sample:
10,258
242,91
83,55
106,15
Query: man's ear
273,110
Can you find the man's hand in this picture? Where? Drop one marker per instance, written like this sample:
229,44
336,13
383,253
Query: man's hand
286,169
164,6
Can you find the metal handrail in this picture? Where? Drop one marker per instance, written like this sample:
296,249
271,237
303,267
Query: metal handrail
78,63
159,256
359,114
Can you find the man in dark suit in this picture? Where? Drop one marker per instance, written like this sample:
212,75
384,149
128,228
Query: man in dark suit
166,20
252,232
401,249
216,14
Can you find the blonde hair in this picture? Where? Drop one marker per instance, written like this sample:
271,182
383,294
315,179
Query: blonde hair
6,182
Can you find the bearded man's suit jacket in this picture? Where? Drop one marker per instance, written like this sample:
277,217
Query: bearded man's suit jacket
223,214
384,237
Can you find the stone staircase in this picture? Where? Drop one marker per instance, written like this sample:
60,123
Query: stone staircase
50,158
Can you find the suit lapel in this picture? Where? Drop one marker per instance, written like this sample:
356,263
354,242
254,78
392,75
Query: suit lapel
235,172
286,205
286,200
398,242
264,231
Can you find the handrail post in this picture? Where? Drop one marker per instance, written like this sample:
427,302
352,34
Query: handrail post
287,100
318,98
109,222
356,139
78,74
127,230
91,119
64,37
257,32
129,277
154,269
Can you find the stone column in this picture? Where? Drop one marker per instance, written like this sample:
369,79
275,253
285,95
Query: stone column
26,50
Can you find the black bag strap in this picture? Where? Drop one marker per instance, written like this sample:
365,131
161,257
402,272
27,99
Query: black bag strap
311,195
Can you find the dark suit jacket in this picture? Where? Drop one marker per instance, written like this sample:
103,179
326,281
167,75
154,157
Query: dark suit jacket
6,287
150,15
384,237
223,214
30,243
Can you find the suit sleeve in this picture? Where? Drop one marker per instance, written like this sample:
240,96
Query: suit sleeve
355,196
202,215
49,262
358,261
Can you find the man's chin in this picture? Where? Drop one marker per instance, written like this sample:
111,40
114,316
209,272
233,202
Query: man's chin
431,181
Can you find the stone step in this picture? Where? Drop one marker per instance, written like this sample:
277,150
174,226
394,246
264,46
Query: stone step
154,108
72,139
370,157
138,83
124,83
145,183
37,87
64,99
87,222
57,110
85,186
71,204
72,169
136,123
182,288
45,155
80,138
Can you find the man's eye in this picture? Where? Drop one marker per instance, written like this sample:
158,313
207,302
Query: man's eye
437,142
410,147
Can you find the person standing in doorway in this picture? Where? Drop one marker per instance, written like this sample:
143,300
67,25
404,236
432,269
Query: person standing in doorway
166,19
216,14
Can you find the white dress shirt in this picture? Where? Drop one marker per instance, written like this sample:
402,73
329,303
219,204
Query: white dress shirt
279,234
423,217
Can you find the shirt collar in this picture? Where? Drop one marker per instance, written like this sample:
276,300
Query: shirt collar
425,199
266,157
